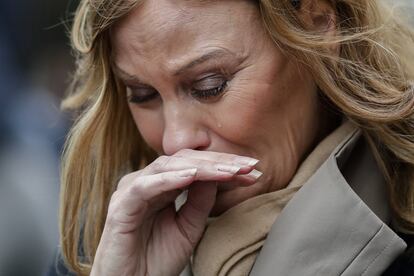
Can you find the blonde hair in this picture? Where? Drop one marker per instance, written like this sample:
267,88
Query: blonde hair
369,82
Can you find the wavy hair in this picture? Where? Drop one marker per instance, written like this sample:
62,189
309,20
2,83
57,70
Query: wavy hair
369,82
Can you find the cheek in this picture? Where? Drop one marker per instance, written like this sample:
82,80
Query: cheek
254,99
242,113
259,109
150,125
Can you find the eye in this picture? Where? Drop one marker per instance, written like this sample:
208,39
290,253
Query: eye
209,87
141,94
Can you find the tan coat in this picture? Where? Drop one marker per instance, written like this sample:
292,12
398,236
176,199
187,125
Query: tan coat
336,224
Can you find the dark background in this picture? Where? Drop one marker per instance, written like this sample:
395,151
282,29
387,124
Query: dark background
35,67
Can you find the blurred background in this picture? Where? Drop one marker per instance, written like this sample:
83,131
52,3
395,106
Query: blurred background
35,68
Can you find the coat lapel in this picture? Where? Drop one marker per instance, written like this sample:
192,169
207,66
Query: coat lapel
336,224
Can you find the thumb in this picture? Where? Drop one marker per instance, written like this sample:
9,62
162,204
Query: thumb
193,215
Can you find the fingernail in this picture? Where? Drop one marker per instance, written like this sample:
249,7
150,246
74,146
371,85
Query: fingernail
228,168
255,174
188,173
247,161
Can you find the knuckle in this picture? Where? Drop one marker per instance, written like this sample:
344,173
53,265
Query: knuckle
137,187
162,159
202,163
160,163
116,209
163,177
128,204
130,184
125,180
114,197
121,183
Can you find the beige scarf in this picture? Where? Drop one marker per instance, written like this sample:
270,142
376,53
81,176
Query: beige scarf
232,241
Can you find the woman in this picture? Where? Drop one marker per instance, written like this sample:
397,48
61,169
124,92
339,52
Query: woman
288,125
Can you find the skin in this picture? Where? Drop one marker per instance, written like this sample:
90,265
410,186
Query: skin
269,110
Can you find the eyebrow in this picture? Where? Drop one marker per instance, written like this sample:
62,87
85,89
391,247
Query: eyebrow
215,54
124,75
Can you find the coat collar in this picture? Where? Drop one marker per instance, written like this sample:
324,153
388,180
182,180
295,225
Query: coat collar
336,224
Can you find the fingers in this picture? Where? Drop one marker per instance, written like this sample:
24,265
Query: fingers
205,167
129,206
151,188
218,157
192,217
241,180
151,192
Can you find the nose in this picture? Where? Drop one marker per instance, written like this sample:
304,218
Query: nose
183,129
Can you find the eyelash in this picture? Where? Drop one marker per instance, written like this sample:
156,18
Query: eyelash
141,99
196,93
213,92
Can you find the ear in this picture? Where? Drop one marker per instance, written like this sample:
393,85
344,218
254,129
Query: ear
319,16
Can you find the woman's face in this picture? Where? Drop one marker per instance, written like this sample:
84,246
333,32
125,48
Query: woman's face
204,75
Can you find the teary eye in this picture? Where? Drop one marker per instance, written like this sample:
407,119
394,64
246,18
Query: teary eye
141,94
209,87
205,88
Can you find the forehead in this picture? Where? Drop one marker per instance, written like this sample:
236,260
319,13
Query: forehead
165,29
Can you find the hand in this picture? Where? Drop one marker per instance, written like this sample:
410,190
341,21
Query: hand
143,233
